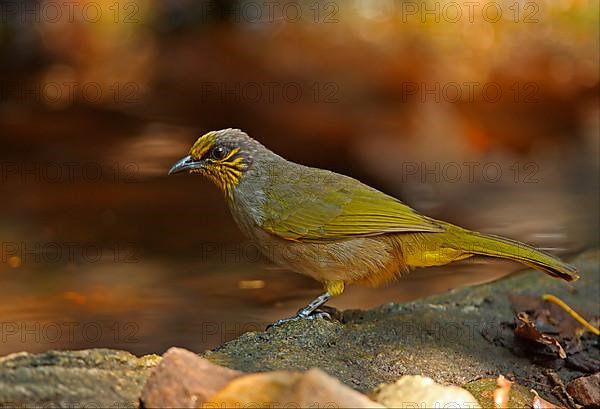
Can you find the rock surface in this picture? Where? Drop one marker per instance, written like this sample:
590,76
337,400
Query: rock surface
586,390
93,378
454,339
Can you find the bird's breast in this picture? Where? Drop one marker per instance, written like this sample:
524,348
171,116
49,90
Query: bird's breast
367,260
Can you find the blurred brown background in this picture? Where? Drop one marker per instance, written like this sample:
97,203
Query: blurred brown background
484,114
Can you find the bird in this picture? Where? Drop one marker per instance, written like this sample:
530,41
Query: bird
332,227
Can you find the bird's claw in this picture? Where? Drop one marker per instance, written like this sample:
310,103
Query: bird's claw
302,316
319,315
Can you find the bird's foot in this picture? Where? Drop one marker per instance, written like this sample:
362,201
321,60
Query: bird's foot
310,312
302,315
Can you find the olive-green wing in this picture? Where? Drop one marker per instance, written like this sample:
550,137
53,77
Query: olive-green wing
336,207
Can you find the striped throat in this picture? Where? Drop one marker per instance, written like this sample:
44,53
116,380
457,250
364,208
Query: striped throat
223,162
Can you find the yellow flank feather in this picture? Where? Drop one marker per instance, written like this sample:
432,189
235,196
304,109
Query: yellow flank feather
334,288
456,243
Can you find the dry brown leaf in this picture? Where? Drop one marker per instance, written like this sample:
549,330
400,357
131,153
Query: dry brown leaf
526,330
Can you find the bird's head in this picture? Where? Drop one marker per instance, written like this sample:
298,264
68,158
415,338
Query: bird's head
222,156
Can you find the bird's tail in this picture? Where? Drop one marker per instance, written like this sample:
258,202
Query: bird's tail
496,246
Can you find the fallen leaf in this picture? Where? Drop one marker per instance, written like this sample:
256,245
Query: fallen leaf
527,330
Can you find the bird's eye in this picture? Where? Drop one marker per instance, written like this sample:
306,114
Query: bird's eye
218,153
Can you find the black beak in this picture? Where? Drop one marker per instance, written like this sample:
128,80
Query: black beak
185,163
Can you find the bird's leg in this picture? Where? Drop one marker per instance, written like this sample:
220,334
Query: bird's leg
306,313
332,289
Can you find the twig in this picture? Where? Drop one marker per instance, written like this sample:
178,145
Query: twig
571,312
562,390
